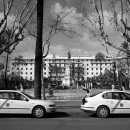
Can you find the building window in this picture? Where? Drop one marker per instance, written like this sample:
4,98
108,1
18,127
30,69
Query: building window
26,68
21,68
30,72
30,68
30,78
26,72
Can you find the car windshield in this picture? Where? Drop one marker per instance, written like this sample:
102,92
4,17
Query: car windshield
29,96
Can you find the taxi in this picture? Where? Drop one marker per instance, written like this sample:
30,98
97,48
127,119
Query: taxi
16,102
107,102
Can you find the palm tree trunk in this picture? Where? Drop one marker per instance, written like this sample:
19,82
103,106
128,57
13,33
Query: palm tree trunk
38,50
100,75
7,59
100,69
42,78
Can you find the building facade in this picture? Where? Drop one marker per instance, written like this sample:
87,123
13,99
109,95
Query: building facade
55,67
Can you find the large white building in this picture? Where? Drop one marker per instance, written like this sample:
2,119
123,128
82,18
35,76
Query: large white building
91,66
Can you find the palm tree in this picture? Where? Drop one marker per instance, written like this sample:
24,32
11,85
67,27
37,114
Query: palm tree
17,61
5,36
100,57
125,46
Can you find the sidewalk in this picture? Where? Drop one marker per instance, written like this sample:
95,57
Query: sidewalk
65,96
70,94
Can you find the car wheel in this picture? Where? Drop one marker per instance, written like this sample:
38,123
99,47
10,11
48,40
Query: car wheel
38,112
103,112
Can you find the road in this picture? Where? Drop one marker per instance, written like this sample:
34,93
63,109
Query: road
68,117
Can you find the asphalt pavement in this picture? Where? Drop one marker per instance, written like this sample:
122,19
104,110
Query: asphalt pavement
68,117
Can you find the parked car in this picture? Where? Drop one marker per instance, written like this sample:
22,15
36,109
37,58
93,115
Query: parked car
16,102
107,102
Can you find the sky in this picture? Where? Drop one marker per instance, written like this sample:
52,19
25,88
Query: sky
78,45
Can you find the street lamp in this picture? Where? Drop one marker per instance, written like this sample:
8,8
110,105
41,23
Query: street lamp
114,71
50,77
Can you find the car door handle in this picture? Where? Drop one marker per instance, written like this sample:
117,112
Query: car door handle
7,104
12,102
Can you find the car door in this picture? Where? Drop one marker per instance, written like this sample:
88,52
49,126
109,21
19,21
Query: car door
113,101
125,102
19,103
4,102
117,103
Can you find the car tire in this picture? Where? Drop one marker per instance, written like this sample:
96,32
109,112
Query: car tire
38,112
103,112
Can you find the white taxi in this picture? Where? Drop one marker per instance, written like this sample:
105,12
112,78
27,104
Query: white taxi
107,102
16,102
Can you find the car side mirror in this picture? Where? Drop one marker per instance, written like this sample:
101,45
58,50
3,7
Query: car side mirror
26,100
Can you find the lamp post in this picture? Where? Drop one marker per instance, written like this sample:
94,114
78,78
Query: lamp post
114,71
69,56
50,77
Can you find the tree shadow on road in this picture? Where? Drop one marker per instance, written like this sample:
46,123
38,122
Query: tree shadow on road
48,115
112,116
120,116
57,115
15,116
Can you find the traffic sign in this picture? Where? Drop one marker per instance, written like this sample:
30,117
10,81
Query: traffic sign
1,66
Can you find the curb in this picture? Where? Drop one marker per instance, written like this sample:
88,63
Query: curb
60,98
64,100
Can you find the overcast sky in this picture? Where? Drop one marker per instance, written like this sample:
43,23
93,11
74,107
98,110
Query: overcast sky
60,44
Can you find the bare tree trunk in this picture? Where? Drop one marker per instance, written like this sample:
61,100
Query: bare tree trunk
38,51
128,75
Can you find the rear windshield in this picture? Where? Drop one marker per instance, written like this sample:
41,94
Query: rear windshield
94,94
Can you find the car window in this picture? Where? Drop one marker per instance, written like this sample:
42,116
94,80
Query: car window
107,95
4,95
125,96
116,95
29,96
17,96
